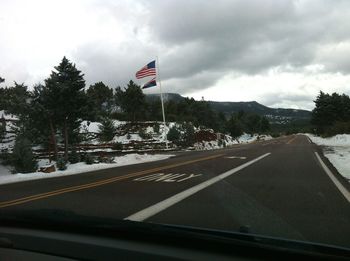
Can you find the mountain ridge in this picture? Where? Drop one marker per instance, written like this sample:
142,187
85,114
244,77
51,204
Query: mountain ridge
275,115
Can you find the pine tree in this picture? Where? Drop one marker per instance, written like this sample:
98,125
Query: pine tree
22,155
188,134
234,127
264,125
174,134
101,97
65,99
132,101
107,130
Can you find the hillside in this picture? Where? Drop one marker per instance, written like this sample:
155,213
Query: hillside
275,115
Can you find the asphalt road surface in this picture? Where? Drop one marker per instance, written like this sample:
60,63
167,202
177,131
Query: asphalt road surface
282,187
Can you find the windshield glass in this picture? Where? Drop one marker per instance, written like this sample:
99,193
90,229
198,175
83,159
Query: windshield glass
225,115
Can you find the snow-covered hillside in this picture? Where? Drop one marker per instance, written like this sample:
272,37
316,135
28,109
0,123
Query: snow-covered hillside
128,146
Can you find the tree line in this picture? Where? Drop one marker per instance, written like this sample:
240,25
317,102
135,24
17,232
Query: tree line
50,113
331,114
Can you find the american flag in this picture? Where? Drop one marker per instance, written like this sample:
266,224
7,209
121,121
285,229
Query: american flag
148,70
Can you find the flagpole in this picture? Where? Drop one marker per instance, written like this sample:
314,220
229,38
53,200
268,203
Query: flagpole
161,99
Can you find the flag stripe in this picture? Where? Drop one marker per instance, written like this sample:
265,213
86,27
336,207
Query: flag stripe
145,73
148,70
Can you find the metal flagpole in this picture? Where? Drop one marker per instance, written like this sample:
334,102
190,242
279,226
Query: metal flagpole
161,99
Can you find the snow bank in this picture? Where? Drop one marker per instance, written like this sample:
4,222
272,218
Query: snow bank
129,159
338,140
245,138
337,150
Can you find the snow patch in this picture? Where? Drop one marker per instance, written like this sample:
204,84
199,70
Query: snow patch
78,168
337,150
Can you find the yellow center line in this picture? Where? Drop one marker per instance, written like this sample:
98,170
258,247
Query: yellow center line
98,183
291,140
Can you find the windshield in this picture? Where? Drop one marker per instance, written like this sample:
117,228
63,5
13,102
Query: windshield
232,116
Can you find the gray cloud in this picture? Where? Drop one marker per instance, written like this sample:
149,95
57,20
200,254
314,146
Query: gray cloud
200,42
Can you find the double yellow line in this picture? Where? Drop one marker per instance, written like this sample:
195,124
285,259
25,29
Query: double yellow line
98,183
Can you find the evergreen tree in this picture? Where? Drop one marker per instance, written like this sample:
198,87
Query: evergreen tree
132,101
330,110
252,122
65,100
107,130
174,135
188,134
22,155
101,97
16,99
264,125
234,127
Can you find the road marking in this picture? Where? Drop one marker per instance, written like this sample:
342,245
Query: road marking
162,205
235,157
162,177
99,183
336,182
291,140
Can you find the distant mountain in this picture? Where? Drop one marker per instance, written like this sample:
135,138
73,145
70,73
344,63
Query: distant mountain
275,115
166,97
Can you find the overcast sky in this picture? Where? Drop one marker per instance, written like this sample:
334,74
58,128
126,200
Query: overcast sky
279,53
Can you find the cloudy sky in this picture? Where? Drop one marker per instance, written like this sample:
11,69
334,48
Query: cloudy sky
279,53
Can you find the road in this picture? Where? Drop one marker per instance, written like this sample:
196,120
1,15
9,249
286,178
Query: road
277,188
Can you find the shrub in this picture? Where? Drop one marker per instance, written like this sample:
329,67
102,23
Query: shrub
106,159
107,130
74,157
61,164
174,134
275,134
89,159
22,156
144,135
117,146
156,127
188,136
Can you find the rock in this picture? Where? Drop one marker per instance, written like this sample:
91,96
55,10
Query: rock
47,169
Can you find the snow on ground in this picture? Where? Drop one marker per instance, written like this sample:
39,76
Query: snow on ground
124,139
4,170
245,138
93,127
87,126
129,159
7,116
337,150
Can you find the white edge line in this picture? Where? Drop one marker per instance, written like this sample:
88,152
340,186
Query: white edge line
336,182
162,205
